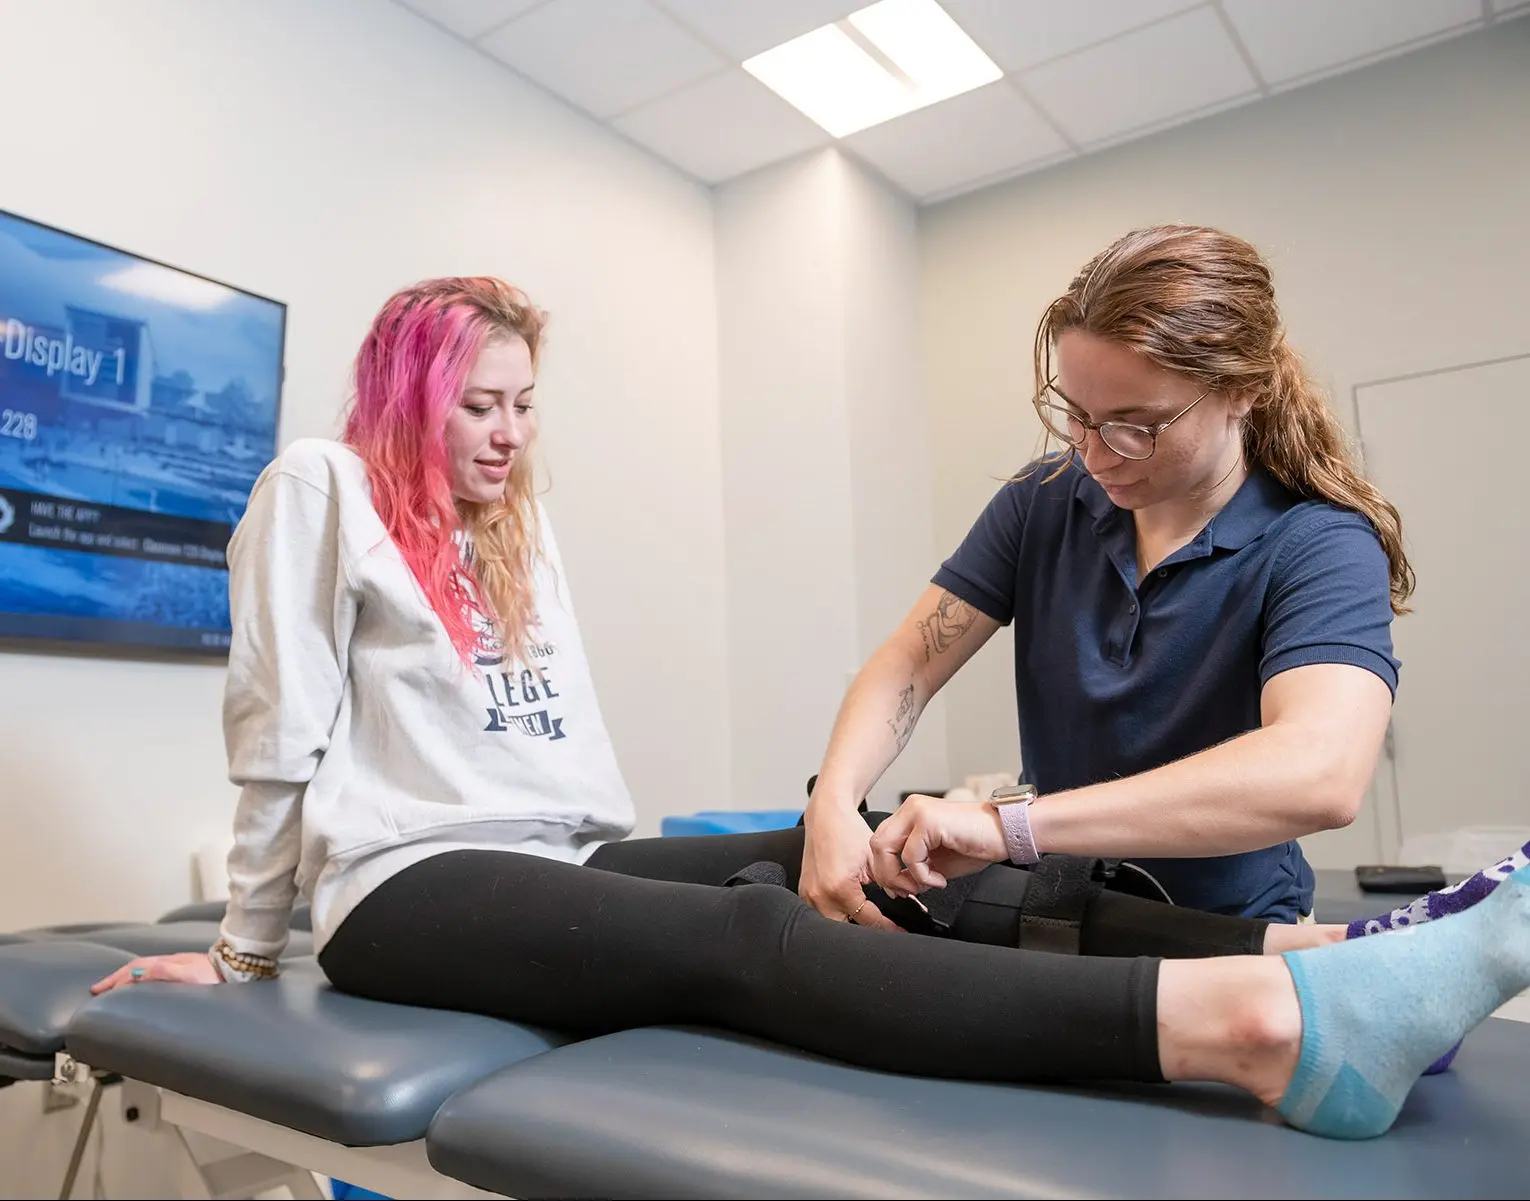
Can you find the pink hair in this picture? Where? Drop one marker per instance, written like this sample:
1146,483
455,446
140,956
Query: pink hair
410,373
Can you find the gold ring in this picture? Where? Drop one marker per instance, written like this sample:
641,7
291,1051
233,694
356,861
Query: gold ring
850,917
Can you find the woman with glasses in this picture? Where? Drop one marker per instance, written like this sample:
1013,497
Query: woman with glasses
1201,585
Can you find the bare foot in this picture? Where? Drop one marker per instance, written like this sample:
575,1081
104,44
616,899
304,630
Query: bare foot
1235,1020
1280,937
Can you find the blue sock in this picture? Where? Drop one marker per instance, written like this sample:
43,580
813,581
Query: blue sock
1377,1011
1441,903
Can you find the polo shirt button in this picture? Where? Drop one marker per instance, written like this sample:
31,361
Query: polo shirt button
1163,571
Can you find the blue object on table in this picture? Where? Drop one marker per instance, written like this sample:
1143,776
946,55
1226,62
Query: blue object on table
729,821
352,1192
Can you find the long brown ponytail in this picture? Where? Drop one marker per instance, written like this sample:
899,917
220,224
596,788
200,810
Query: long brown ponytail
1201,303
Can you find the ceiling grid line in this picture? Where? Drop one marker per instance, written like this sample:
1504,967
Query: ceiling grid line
699,34
673,90
1241,47
1014,81
1124,31
1354,64
510,20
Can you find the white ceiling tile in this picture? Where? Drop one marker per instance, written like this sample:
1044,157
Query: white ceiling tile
603,55
1022,33
1176,66
744,28
972,136
722,127
1291,38
1143,131
469,18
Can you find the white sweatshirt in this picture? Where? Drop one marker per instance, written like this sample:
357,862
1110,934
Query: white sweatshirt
361,742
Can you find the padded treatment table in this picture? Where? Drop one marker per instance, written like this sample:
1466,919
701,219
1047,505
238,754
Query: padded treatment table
290,1068
45,976
41,986
674,1112
1337,898
299,1072
67,930
297,1053
162,938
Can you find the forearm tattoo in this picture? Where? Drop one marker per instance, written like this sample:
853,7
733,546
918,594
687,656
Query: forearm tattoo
902,722
950,619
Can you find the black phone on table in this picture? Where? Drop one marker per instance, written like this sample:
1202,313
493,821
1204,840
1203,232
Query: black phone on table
1385,877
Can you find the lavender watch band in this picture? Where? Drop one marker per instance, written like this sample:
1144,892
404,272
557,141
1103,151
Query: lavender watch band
1015,817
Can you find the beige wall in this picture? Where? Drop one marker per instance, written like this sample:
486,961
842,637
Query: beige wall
1392,203
825,469
326,154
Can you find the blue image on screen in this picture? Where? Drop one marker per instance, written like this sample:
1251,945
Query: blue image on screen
138,405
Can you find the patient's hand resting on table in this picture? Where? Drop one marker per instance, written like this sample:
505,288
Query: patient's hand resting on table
187,967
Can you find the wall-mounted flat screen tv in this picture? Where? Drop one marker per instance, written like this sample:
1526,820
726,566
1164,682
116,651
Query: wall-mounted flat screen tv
138,404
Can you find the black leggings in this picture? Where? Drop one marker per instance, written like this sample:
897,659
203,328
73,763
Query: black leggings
645,936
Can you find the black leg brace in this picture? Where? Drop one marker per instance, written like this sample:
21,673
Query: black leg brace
1039,909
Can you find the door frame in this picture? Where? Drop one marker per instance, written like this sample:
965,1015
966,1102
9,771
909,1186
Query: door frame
1387,798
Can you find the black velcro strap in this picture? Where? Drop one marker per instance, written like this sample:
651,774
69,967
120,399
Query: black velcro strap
1052,913
942,904
763,872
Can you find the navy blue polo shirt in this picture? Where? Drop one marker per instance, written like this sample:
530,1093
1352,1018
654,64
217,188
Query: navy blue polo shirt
1113,677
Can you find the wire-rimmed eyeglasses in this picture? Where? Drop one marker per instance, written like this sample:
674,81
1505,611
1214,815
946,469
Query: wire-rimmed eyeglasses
1125,438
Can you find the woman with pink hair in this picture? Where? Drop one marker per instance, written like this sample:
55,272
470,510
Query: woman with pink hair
412,722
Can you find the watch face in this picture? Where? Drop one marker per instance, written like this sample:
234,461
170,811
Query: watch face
1016,792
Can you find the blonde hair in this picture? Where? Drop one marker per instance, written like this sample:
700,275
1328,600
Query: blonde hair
506,538
1201,303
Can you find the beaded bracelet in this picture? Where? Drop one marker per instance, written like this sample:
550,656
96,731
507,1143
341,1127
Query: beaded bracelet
235,965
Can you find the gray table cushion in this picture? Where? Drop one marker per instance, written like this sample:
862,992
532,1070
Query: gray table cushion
212,911
197,911
1337,898
165,938
16,1066
298,1053
41,986
70,929
681,1113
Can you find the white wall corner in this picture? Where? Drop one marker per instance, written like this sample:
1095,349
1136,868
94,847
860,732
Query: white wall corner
827,477
786,508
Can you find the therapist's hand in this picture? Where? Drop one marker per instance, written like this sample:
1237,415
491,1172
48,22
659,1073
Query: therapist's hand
929,841
836,865
187,967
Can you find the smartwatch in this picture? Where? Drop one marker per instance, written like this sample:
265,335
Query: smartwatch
1013,806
